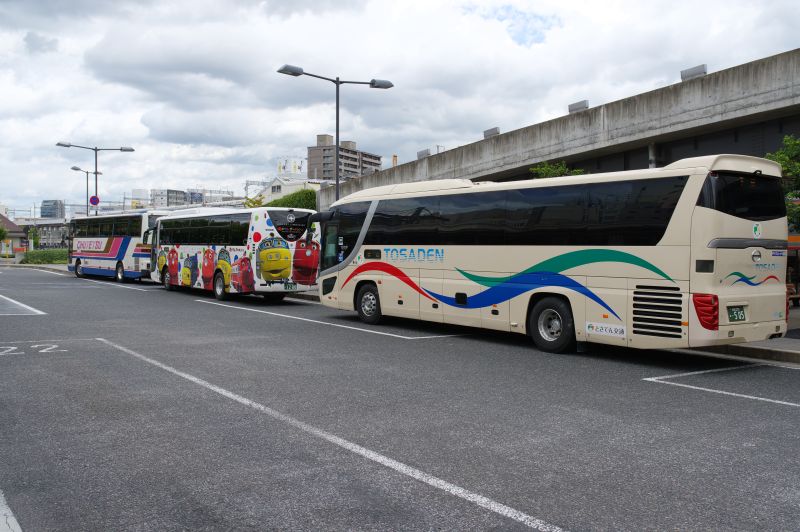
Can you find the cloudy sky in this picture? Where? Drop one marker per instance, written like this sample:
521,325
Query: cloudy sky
192,84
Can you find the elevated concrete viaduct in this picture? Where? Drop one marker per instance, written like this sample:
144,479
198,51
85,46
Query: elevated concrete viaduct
745,109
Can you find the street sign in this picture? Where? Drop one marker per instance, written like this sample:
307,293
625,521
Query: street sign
94,200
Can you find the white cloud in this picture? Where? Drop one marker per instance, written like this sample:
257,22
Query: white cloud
192,85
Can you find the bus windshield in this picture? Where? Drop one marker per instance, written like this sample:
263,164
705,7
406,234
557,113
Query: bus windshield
749,196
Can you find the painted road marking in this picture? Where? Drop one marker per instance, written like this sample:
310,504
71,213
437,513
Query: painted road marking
382,333
417,474
43,341
46,271
107,283
31,311
8,523
664,380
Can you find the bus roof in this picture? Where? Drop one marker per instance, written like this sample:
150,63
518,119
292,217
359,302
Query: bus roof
119,214
200,212
733,163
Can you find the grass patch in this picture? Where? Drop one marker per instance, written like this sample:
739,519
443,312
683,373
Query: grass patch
45,256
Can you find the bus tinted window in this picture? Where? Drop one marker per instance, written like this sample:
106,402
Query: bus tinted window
472,219
552,216
748,196
341,232
631,213
405,221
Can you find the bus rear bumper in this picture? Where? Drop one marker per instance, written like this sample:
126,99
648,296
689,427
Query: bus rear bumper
740,333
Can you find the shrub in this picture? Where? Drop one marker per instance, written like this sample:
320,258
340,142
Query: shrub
302,199
45,256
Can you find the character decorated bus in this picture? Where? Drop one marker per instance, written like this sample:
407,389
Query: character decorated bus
236,251
688,255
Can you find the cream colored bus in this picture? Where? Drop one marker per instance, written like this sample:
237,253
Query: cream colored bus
692,254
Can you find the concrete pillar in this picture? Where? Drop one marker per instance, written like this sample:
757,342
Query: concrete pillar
651,154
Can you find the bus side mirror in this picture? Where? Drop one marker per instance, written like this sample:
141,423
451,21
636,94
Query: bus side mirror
316,217
146,236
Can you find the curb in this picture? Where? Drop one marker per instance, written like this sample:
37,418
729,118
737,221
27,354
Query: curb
753,351
35,267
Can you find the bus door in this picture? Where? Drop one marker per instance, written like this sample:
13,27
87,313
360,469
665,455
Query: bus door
739,240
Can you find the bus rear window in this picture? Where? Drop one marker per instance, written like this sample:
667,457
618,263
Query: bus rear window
748,196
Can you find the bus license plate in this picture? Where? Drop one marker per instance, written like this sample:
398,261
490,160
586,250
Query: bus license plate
736,313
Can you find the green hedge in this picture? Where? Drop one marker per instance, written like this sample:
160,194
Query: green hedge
45,256
302,199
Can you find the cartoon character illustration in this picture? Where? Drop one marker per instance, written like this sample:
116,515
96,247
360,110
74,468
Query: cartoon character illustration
173,264
273,259
305,263
224,264
189,271
209,264
161,261
242,276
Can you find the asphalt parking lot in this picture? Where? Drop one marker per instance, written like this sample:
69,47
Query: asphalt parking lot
127,407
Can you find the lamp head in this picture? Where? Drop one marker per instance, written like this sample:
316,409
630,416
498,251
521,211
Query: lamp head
380,84
76,169
126,148
291,70
64,144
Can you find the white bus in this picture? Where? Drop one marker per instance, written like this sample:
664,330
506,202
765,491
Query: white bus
692,254
237,251
111,245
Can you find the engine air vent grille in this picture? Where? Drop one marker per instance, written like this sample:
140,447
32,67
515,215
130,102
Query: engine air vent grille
658,311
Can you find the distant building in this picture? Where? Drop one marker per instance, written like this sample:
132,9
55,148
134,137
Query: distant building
53,232
280,186
352,162
14,239
3,210
161,197
53,209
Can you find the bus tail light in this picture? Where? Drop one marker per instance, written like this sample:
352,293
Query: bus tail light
707,308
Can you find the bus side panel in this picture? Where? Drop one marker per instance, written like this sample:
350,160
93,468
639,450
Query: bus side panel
430,310
454,288
658,312
397,297
606,324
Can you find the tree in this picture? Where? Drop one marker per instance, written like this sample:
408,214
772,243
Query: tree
33,236
788,156
547,169
302,199
3,233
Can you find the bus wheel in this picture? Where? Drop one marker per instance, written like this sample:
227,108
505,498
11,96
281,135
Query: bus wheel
273,297
78,269
219,287
166,278
551,326
119,275
368,304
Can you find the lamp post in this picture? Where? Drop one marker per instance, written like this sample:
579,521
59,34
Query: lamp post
95,150
291,70
78,169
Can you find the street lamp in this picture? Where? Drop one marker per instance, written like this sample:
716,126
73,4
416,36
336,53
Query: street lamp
291,70
95,150
77,169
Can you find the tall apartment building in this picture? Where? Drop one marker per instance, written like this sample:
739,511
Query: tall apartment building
53,209
352,162
162,197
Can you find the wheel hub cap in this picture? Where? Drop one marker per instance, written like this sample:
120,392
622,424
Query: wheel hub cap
550,325
368,304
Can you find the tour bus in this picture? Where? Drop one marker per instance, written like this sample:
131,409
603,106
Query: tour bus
691,254
112,245
264,250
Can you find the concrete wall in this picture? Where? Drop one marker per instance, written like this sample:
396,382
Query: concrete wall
746,94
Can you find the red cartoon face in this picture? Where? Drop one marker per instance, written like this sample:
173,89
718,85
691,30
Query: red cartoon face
173,264
305,262
242,278
209,262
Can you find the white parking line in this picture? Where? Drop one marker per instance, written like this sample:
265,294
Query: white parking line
664,380
116,285
46,271
8,523
328,323
417,474
23,305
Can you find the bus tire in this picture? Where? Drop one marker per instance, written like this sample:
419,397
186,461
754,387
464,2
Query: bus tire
219,287
78,268
551,325
119,273
166,278
273,297
368,304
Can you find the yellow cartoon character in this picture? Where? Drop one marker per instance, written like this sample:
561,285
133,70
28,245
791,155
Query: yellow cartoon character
274,260
224,265
189,271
